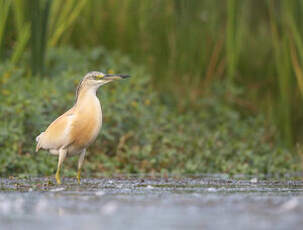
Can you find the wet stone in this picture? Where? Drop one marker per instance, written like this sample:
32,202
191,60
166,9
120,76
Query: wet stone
198,202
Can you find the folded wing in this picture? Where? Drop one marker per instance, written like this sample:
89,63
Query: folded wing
57,135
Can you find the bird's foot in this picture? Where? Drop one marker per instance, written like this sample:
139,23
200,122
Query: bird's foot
58,178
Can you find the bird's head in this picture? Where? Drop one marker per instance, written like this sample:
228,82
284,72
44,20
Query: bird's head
93,80
97,78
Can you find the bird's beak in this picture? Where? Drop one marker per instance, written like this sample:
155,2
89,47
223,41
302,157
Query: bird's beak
115,76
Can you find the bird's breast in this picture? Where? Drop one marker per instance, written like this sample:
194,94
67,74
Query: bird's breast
87,123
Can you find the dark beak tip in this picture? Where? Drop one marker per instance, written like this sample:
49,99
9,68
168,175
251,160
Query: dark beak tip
122,76
125,76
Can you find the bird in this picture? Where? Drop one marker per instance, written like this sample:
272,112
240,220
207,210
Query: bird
75,130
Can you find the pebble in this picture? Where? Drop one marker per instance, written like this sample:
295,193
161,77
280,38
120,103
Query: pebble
57,189
149,187
254,180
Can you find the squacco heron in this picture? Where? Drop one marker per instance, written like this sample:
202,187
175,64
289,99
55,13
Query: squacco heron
76,129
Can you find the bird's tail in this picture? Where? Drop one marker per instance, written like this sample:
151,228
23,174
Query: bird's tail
38,140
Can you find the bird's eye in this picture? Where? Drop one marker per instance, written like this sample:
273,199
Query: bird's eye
99,76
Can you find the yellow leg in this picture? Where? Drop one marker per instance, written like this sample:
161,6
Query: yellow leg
79,176
80,163
62,155
58,176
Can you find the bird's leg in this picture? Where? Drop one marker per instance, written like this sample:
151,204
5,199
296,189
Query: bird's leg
80,163
62,155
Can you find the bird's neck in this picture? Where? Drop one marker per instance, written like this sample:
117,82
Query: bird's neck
86,94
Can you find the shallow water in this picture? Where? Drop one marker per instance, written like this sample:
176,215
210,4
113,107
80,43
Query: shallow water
202,202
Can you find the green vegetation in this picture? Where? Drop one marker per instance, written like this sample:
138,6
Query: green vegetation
142,132
202,60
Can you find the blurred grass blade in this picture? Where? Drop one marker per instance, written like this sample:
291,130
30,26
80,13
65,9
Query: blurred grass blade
296,45
22,41
19,9
283,69
4,11
67,17
214,59
230,38
297,68
22,29
39,24
294,29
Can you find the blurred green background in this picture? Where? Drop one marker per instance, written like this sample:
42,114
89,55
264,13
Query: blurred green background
217,84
